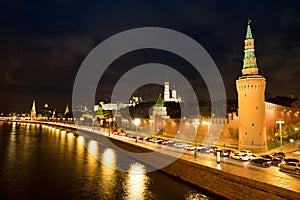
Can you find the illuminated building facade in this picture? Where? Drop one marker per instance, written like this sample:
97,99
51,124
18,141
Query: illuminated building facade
170,97
251,101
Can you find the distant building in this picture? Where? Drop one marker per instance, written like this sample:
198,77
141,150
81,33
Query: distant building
135,100
171,97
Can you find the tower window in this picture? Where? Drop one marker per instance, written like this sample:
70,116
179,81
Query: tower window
252,124
245,95
259,133
252,142
256,107
245,133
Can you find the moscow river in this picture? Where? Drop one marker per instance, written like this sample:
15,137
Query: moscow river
40,162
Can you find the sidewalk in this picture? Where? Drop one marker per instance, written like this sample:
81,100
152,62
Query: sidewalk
287,149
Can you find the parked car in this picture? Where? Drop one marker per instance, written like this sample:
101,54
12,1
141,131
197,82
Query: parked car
241,157
203,150
262,162
212,149
229,152
280,155
270,157
245,152
179,145
287,160
225,152
291,166
276,162
189,147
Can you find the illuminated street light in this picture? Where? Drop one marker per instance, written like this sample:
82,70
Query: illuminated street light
296,130
137,121
280,132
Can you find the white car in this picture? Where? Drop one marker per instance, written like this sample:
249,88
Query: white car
242,157
245,152
189,147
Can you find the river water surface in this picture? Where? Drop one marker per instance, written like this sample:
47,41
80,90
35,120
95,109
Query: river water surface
42,162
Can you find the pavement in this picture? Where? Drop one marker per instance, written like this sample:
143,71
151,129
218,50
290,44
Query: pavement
290,149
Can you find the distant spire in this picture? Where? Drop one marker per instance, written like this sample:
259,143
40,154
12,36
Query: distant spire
33,111
53,115
249,33
67,110
33,106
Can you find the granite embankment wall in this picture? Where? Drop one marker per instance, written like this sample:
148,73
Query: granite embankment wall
225,184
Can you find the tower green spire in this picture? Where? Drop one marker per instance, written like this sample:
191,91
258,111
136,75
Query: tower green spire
249,33
249,55
160,101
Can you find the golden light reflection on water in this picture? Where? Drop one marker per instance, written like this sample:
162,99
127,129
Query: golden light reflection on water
108,171
93,156
93,148
14,124
80,148
109,158
195,196
69,138
137,182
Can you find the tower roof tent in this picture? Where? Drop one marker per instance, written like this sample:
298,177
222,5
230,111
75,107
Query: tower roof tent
249,33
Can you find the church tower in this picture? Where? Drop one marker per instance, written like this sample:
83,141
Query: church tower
167,91
33,111
251,101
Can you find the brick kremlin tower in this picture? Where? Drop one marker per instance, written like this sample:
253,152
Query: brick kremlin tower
251,101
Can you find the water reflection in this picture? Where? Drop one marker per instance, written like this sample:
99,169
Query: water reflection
93,148
49,164
109,158
93,157
196,196
137,182
108,172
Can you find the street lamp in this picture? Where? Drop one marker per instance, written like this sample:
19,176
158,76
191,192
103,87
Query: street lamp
280,132
296,130
195,124
137,121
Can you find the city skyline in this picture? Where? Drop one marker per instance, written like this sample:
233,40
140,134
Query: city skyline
43,45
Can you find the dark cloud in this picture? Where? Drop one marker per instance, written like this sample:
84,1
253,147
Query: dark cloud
64,51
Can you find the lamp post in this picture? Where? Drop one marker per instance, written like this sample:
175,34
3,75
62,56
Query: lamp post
137,121
195,124
296,130
280,132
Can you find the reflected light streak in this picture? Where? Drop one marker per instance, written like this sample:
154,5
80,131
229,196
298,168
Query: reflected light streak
108,171
137,182
109,158
93,148
14,124
81,139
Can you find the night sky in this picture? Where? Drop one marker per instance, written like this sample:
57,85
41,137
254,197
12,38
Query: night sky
43,43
